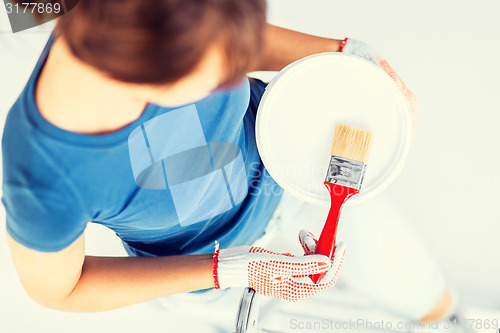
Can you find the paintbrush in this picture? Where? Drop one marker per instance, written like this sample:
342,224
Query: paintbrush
345,174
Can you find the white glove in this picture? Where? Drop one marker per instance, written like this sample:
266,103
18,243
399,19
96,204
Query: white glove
362,50
277,274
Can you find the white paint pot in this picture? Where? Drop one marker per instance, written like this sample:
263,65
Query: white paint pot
300,108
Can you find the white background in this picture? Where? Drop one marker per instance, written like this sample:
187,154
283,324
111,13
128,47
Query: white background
448,53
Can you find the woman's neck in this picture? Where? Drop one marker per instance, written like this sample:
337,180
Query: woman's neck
77,98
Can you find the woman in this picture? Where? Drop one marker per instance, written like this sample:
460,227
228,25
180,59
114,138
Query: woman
139,117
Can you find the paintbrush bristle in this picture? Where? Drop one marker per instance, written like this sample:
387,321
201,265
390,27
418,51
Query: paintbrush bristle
351,143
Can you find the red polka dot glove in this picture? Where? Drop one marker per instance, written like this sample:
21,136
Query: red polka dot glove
360,49
277,274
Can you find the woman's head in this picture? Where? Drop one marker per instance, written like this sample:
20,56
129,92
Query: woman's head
163,42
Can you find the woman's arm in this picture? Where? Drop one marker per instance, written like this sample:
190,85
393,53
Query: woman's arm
283,46
70,281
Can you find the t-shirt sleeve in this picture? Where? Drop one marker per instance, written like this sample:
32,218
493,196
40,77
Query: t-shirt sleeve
43,220
43,209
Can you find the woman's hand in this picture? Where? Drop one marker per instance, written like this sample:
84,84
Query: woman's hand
277,274
360,49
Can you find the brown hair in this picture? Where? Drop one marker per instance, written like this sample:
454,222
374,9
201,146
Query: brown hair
160,41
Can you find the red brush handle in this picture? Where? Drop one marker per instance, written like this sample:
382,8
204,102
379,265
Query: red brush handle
326,244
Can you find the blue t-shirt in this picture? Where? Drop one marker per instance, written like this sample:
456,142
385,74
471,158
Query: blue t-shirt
172,182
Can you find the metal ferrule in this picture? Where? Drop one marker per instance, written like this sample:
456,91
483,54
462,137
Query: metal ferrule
345,172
